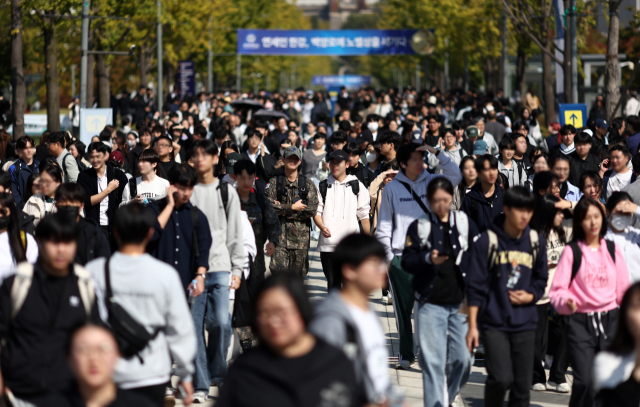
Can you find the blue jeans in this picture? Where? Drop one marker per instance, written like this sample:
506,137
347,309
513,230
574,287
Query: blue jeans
442,354
211,308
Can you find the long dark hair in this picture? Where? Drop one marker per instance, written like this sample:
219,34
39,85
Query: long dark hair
29,188
580,212
623,342
15,240
543,216
462,186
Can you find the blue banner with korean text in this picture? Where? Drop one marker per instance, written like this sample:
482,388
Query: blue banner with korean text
325,42
348,81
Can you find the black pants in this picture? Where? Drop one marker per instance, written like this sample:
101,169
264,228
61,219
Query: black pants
558,349
154,393
540,344
112,241
508,357
334,277
584,339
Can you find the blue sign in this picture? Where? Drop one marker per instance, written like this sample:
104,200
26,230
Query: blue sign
348,81
325,42
574,114
186,78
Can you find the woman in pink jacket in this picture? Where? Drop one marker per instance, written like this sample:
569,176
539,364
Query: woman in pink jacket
588,287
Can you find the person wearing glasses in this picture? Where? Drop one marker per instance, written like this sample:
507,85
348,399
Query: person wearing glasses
164,148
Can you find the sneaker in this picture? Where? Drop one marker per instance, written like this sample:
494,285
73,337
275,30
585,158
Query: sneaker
538,387
199,397
385,299
404,364
560,388
169,397
457,402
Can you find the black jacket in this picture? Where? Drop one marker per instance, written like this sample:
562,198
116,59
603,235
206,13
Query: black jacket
478,208
359,172
92,242
580,166
26,222
265,166
88,180
33,356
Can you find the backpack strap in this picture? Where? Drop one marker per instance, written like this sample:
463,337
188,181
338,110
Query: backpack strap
86,288
424,231
462,224
303,190
365,177
577,259
280,190
416,197
535,244
195,221
322,186
355,186
64,165
611,247
133,188
224,194
492,252
20,287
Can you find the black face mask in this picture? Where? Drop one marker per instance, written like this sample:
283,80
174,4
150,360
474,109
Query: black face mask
4,222
70,212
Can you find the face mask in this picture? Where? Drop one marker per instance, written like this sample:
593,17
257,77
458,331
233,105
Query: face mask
4,222
131,143
285,106
70,212
621,222
399,122
371,157
373,126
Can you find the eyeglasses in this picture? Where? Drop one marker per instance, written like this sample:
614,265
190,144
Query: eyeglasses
163,145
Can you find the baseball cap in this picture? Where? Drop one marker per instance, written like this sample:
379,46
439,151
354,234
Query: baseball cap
602,123
364,137
339,155
293,150
231,160
116,156
472,131
480,147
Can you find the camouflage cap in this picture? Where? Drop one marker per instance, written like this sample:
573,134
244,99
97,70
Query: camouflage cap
293,150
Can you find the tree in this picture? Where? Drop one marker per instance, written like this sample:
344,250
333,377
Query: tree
612,68
17,70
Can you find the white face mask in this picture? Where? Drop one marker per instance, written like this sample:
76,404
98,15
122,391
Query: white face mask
131,143
373,126
621,222
371,157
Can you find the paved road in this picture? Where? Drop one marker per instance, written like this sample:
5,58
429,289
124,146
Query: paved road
411,381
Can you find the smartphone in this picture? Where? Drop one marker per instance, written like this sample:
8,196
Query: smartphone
175,196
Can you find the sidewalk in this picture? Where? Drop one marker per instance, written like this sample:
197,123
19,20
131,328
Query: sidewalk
410,381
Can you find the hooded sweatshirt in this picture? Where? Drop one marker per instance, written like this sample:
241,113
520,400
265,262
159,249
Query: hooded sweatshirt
342,211
478,207
487,288
599,284
398,208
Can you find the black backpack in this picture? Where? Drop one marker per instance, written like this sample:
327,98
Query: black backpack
324,185
303,191
577,256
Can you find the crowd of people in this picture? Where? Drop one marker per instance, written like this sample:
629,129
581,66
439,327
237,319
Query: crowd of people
134,268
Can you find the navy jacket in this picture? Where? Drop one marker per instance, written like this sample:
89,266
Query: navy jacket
476,206
487,288
19,178
174,244
416,257
88,180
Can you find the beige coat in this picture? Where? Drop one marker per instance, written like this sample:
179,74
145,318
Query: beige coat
35,207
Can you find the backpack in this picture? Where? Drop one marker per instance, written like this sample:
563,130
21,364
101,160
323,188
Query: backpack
131,336
303,191
24,278
461,223
133,187
492,253
577,256
324,185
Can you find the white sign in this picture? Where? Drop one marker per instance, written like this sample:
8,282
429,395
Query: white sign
36,124
92,122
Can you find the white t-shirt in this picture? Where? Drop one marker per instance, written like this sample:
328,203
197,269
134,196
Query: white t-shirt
375,347
154,190
618,181
7,262
103,183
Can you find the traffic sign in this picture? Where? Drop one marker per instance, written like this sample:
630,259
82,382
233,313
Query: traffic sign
574,114
93,121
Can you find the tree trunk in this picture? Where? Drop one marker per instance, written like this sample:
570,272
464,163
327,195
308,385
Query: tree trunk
612,68
51,78
17,71
145,65
566,65
521,67
548,86
102,72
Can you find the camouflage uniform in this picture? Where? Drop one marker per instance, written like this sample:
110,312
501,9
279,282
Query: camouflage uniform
293,251
265,224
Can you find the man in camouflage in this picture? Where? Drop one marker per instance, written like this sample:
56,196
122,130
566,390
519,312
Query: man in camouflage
295,200
263,217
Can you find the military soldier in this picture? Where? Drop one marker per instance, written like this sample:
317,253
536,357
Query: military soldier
263,217
295,200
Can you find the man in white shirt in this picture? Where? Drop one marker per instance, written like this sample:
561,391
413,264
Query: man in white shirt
149,186
632,106
619,175
343,206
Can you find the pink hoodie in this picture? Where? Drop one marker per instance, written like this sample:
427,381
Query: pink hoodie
599,284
